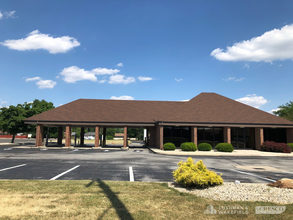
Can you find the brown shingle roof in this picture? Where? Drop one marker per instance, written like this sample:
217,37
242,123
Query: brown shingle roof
214,108
204,108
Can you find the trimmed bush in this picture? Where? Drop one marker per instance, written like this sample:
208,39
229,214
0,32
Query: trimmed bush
291,145
272,146
196,175
224,147
169,146
188,146
204,147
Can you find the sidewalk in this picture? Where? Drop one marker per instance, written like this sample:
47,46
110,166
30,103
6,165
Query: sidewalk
213,152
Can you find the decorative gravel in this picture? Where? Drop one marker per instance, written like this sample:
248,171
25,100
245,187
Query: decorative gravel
242,192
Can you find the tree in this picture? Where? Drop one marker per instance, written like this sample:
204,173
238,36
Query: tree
11,119
285,111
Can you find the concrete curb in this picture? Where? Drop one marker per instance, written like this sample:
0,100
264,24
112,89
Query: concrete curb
220,154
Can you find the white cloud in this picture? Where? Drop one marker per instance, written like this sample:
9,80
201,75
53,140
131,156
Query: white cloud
178,80
36,40
274,110
33,79
123,97
234,79
7,14
253,100
46,84
10,14
74,73
273,45
246,65
120,79
42,84
144,78
102,81
186,100
120,64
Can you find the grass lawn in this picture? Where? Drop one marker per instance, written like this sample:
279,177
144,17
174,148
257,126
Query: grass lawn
86,199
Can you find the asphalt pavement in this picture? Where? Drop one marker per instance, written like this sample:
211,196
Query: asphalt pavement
133,165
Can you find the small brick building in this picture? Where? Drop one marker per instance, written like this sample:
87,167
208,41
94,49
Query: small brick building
208,117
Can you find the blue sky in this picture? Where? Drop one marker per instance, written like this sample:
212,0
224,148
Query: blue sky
61,51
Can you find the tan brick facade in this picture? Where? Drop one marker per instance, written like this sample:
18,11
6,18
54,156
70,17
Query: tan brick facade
39,135
97,136
227,135
159,137
152,140
68,136
289,133
259,138
194,135
125,137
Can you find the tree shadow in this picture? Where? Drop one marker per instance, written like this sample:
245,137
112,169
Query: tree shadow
117,204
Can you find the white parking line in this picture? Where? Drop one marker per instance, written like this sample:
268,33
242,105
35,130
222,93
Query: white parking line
8,168
254,175
131,176
61,174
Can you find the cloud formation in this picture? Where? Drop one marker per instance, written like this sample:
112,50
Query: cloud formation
273,45
178,80
144,78
36,40
274,110
120,64
73,74
234,79
253,100
7,14
123,97
42,84
120,79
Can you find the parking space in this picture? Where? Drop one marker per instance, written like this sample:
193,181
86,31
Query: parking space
114,164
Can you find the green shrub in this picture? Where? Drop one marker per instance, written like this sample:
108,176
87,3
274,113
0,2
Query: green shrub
224,147
169,146
204,147
196,175
291,145
188,146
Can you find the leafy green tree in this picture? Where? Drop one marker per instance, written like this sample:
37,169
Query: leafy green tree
11,120
285,111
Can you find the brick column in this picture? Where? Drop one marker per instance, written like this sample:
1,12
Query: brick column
194,135
82,136
39,135
159,137
125,137
227,135
152,140
68,136
259,138
104,136
289,134
97,136
60,135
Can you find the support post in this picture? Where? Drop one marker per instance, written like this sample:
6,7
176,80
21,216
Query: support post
60,135
194,135
68,136
259,138
104,136
289,134
125,137
82,136
97,133
227,135
159,137
39,135
47,136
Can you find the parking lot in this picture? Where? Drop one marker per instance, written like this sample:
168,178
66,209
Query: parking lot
136,164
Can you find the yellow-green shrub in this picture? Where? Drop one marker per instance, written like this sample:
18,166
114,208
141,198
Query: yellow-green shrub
190,174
